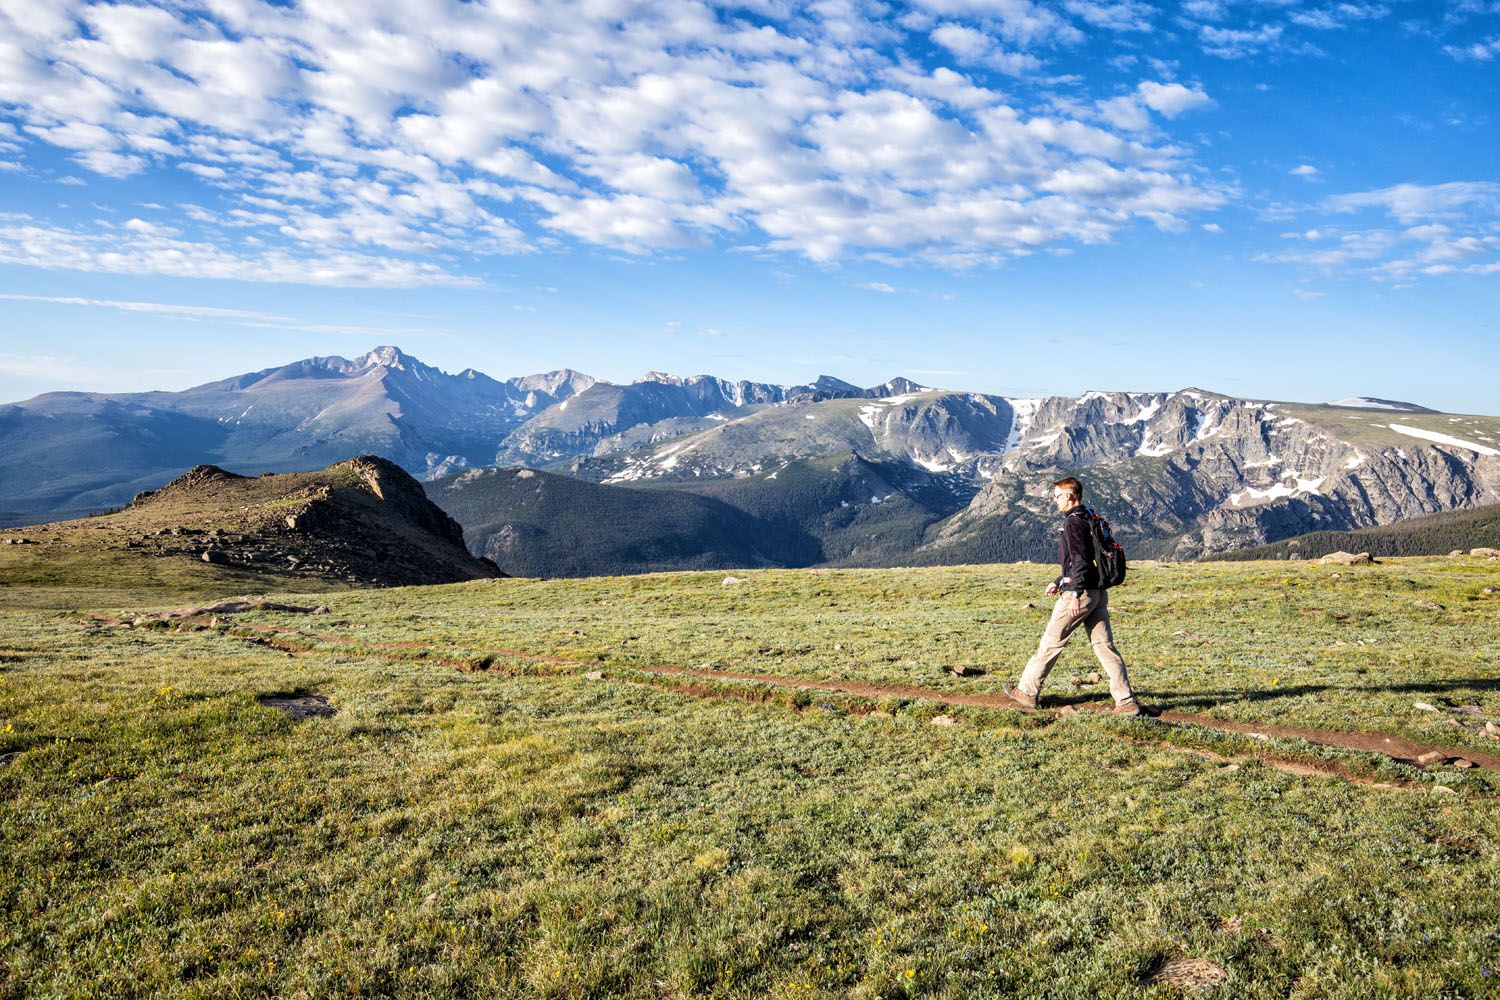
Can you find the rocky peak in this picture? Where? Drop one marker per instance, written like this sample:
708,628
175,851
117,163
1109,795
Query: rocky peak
559,384
388,357
898,386
661,377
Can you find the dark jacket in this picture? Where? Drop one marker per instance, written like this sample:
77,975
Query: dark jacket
1075,551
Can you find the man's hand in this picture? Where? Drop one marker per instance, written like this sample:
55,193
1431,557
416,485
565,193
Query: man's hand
1074,605
1051,589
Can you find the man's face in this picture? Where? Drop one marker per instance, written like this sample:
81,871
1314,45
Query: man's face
1062,498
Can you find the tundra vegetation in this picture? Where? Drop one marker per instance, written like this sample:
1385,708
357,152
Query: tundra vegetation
508,801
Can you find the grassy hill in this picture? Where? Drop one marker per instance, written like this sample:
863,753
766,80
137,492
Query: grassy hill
508,800
1437,534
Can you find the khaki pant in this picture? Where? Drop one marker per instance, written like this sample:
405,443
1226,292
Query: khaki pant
1093,612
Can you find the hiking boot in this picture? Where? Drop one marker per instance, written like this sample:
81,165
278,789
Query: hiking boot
1022,700
1131,707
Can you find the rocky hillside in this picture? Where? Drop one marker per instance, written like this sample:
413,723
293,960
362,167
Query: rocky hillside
362,522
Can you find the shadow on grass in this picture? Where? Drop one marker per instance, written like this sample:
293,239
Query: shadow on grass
1209,698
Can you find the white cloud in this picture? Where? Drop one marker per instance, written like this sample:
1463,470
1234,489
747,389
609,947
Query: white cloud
1238,43
385,143
26,243
1339,15
1483,51
1172,99
1425,231
1131,111
1304,170
878,286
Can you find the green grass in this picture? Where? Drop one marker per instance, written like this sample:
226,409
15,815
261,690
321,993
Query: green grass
523,830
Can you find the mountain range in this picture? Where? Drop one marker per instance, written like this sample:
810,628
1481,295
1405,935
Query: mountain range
747,473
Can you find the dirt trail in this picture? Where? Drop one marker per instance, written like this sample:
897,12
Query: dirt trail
1396,747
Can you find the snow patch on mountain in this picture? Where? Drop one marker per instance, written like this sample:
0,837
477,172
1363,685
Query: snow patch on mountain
1437,438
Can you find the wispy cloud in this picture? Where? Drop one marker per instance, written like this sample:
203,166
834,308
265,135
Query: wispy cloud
238,317
1423,230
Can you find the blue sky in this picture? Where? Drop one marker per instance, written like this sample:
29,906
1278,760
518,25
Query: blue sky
1264,197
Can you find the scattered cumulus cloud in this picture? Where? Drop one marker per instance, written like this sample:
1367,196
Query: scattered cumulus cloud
390,144
1304,170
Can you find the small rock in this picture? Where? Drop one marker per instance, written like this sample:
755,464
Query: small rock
838,647
1443,789
1230,767
1484,551
595,675
1429,605
1455,552
1259,736
1029,605
1431,757
1492,731
960,671
1463,764
1068,710
730,581
1422,706
1092,678
1346,559
944,720
215,556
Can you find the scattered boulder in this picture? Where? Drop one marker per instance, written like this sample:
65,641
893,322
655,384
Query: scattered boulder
1346,559
1463,763
944,720
1428,605
731,581
594,675
1422,706
1488,553
1455,552
216,556
1432,757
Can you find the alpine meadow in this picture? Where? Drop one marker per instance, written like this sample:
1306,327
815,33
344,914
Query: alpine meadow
737,498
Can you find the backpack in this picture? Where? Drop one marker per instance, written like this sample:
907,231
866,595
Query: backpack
1109,557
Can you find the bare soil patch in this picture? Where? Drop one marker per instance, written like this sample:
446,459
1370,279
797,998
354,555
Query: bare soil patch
299,706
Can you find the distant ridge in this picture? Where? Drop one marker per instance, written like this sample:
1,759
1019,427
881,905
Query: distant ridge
1372,403
1433,535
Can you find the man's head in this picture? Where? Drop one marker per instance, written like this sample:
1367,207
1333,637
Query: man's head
1067,493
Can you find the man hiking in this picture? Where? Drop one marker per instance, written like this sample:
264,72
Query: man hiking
1081,601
